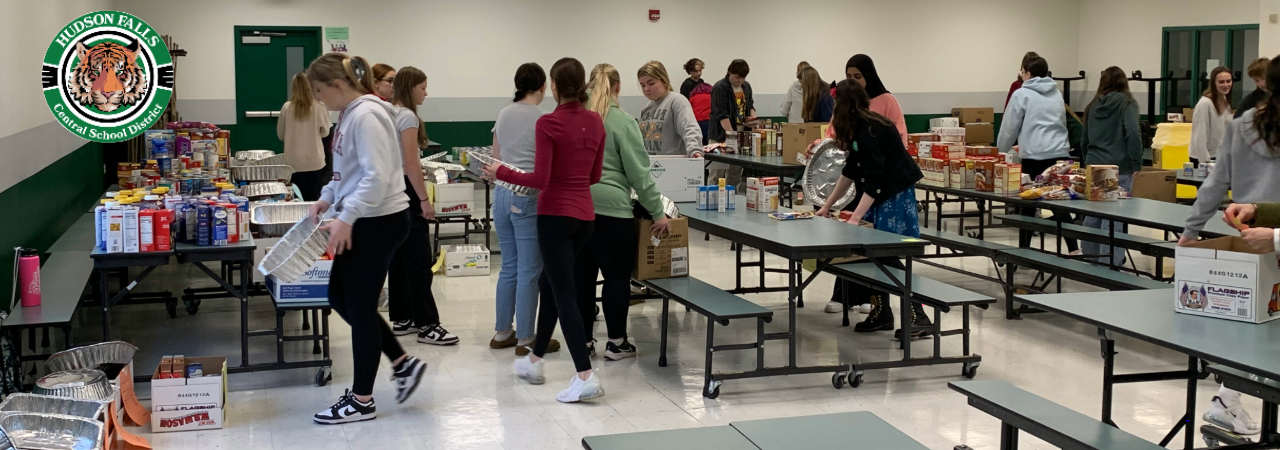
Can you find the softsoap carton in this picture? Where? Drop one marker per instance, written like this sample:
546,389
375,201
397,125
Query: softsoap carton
312,286
466,260
1227,279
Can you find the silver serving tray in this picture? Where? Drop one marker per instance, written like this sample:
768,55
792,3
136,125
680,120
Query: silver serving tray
46,404
247,155
436,157
822,172
262,173
37,431
263,189
273,160
487,159
109,357
301,246
274,219
85,384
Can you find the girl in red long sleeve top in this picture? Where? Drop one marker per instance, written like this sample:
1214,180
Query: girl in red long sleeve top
569,141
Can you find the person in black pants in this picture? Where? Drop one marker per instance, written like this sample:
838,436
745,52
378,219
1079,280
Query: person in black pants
1034,167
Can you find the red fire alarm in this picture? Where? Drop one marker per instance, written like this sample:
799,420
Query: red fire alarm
654,14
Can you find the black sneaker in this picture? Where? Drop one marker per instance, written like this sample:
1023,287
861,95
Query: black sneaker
407,376
617,352
347,410
403,327
591,347
436,335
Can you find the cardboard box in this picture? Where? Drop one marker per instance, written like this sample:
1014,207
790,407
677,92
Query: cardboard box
312,286
974,115
796,137
947,150
453,198
916,138
940,122
979,133
662,256
467,260
981,150
1102,183
1174,117
1186,114
767,197
188,404
1155,184
677,177
984,175
1008,180
1227,279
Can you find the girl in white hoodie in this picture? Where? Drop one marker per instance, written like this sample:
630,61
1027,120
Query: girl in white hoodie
372,221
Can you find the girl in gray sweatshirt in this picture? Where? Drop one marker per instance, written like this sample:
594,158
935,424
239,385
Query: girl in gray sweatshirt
667,124
1247,166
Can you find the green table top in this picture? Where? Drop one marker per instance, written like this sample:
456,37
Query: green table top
798,239
1148,315
830,431
1065,422
706,438
81,237
766,163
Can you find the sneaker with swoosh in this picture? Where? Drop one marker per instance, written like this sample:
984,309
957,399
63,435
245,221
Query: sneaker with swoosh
347,410
407,376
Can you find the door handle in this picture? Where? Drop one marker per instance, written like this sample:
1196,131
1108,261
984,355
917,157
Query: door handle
262,113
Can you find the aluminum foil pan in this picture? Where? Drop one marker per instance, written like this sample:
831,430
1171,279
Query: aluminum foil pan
37,431
109,357
822,172
45,404
474,165
487,159
273,160
438,157
85,384
247,155
293,255
262,173
276,218
263,189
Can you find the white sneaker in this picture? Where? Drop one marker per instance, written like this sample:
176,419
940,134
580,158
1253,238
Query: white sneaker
1231,418
580,390
530,371
864,308
833,307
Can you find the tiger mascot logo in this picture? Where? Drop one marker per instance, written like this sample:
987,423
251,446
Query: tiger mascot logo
107,76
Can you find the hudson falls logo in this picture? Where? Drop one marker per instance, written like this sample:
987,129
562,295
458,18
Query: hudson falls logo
107,76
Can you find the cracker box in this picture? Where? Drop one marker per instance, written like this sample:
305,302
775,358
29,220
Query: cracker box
956,177
767,198
662,256
984,172
968,174
916,138
948,150
1008,180
1227,279
925,149
1102,183
981,150
753,194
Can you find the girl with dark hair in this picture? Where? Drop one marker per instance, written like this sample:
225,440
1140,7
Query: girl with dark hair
884,175
569,158
515,217
1212,115
1017,82
411,305
1111,137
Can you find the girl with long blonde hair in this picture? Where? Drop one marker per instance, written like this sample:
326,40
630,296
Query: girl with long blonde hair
818,103
667,123
303,123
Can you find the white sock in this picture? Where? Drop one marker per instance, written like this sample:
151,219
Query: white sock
525,341
503,335
617,341
1229,397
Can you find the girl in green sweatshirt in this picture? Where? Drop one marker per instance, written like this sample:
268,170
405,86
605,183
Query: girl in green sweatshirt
612,248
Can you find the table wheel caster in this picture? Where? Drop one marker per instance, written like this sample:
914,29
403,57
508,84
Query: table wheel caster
324,376
838,379
172,307
973,234
193,306
970,370
711,389
855,379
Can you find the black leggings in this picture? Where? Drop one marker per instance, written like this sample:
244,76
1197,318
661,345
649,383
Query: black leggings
1033,168
611,250
354,286
561,239
310,183
409,294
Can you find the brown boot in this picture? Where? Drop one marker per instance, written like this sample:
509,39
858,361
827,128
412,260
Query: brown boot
510,342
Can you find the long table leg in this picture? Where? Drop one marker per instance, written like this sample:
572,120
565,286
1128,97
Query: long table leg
1008,437
793,293
1108,375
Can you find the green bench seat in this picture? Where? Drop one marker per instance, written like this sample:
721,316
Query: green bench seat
706,438
964,244
1056,424
1082,271
1080,232
829,431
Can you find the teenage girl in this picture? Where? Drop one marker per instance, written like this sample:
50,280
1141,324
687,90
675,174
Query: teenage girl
383,81
694,68
372,221
816,103
411,303
1212,115
883,174
303,122
515,217
612,248
668,123
793,103
569,157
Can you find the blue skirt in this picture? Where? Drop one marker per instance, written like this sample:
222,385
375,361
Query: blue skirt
897,215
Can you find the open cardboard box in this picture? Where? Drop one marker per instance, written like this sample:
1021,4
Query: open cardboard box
187,404
1227,279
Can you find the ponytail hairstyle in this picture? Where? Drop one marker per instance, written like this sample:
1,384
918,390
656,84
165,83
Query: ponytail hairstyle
302,100
812,88
354,70
408,78
1266,118
853,110
1220,101
570,79
530,78
603,78
657,71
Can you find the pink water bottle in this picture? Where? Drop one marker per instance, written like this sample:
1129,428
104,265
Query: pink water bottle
29,277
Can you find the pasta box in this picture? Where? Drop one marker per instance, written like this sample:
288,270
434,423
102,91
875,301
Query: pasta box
1227,279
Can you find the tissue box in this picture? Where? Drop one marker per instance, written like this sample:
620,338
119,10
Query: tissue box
1227,279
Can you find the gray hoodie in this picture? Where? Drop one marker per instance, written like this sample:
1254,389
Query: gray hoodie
669,127
1111,135
1246,167
1036,120
368,180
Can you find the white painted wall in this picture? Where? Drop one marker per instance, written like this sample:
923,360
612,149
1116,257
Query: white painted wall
1268,33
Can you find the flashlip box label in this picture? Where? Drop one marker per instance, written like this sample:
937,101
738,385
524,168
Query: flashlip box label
199,418
186,407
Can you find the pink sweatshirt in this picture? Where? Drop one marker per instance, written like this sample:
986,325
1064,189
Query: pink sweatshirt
887,106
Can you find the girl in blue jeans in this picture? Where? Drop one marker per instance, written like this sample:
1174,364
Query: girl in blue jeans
515,216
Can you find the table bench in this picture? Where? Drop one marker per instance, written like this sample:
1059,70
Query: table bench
962,246
717,306
828,431
1056,424
64,276
1145,245
722,437
941,296
1070,269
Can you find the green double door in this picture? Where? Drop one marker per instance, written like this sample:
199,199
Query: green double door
266,60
